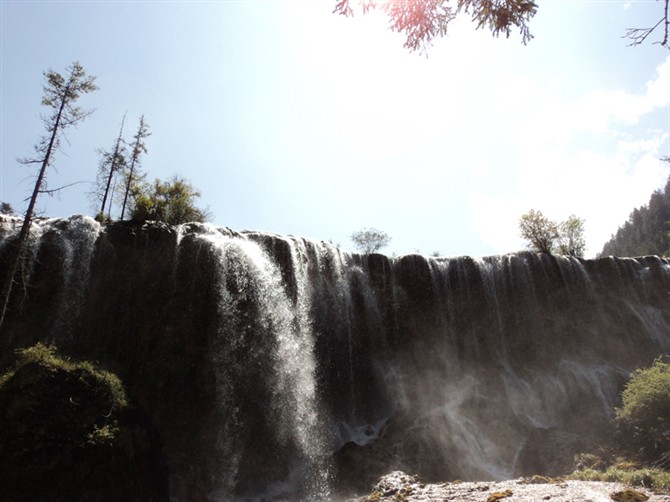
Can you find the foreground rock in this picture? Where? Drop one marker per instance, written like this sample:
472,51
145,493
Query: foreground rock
69,433
400,487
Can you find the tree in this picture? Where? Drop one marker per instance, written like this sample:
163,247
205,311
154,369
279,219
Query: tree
169,201
370,240
643,420
7,209
60,95
133,176
646,231
423,20
111,163
539,231
638,35
571,237
546,236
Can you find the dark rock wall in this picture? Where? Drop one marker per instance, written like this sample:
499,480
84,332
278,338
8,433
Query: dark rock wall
259,356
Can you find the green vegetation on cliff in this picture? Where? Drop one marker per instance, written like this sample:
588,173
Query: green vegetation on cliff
647,230
69,432
640,455
643,420
171,201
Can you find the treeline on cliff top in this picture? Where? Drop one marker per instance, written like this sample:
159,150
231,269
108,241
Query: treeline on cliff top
647,231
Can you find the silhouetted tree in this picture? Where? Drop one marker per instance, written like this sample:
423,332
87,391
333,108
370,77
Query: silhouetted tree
133,175
111,163
423,20
60,95
639,35
370,240
169,201
7,209
646,231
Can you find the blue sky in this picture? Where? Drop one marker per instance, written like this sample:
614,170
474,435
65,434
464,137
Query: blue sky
293,120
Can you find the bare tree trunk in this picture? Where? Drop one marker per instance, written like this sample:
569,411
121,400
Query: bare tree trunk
138,148
129,183
112,170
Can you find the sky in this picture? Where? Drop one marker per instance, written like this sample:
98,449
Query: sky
293,120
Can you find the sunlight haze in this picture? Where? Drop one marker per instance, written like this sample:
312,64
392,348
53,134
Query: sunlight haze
293,120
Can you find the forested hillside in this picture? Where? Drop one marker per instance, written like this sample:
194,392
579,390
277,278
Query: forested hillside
647,230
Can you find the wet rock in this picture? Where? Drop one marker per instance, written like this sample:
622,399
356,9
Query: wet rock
399,486
629,495
494,497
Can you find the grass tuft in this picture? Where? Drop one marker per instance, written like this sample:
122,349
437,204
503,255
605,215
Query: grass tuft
654,479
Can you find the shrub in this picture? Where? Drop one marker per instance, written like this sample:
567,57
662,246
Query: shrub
170,201
69,432
643,421
651,478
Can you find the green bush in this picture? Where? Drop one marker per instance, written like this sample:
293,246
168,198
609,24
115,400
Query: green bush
69,432
651,478
171,201
643,420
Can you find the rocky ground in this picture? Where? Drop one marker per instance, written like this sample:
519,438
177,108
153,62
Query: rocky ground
400,487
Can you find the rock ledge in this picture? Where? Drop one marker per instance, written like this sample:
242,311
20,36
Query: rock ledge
400,487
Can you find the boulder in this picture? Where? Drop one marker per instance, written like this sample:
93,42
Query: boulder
68,432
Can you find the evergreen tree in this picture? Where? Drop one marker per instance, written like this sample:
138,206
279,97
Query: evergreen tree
646,231
421,21
60,95
133,176
112,162
7,209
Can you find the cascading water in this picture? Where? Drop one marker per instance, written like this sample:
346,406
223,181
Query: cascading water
261,317
71,244
281,368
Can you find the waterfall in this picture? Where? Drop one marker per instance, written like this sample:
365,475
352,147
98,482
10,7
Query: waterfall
269,320
287,369
70,243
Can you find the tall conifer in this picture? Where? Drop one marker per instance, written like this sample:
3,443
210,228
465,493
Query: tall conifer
60,95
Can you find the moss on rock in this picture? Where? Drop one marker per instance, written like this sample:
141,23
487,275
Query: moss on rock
69,432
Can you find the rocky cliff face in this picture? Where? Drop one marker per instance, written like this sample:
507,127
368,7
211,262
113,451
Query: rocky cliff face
275,365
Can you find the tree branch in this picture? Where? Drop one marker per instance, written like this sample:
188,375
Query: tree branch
639,35
54,190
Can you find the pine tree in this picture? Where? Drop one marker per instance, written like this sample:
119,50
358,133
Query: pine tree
111,163
60,95
646,231
133,175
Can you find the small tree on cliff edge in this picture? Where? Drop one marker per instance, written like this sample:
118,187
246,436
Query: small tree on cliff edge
571,237
546,236
112,162
133,176
169,201
370,240
60,94
538,230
